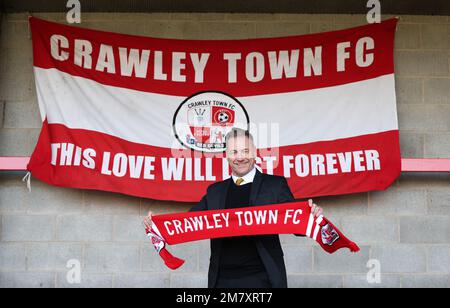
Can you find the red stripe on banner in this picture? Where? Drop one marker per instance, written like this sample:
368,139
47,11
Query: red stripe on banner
366,51
93,160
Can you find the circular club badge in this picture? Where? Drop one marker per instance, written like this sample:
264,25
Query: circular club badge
202,121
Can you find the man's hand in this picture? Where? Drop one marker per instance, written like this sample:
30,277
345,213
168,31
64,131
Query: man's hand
315,210
148,221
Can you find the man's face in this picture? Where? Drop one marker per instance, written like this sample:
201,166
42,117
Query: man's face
241,155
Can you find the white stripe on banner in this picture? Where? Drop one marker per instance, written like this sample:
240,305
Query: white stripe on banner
146,118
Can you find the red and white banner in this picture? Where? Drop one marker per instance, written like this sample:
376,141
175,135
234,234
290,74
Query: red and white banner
147,117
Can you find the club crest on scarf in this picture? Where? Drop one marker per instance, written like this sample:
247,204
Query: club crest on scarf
329,235
157,241
202,121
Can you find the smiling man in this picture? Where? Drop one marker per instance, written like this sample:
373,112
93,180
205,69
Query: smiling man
245,261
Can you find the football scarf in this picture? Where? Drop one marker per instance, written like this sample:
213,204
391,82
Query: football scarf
286,218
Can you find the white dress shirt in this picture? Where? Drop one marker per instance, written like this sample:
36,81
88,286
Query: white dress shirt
248,178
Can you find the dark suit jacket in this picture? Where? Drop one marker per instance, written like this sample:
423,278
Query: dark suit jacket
266,189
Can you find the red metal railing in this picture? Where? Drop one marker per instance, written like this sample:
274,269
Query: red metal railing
426,164
408,164
13,163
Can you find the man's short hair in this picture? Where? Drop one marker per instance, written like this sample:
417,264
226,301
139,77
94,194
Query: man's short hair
238,132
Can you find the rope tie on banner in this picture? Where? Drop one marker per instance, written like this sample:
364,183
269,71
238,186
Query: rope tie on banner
27,178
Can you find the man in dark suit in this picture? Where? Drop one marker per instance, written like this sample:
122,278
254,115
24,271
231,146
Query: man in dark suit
245,261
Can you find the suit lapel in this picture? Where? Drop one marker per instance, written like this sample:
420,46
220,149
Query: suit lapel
255,186
223,193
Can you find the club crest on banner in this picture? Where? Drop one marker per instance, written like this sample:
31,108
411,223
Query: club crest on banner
202,121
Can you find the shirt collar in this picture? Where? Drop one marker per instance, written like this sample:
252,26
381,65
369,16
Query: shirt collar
248,178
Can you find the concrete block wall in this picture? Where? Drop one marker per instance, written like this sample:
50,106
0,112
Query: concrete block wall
406,228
